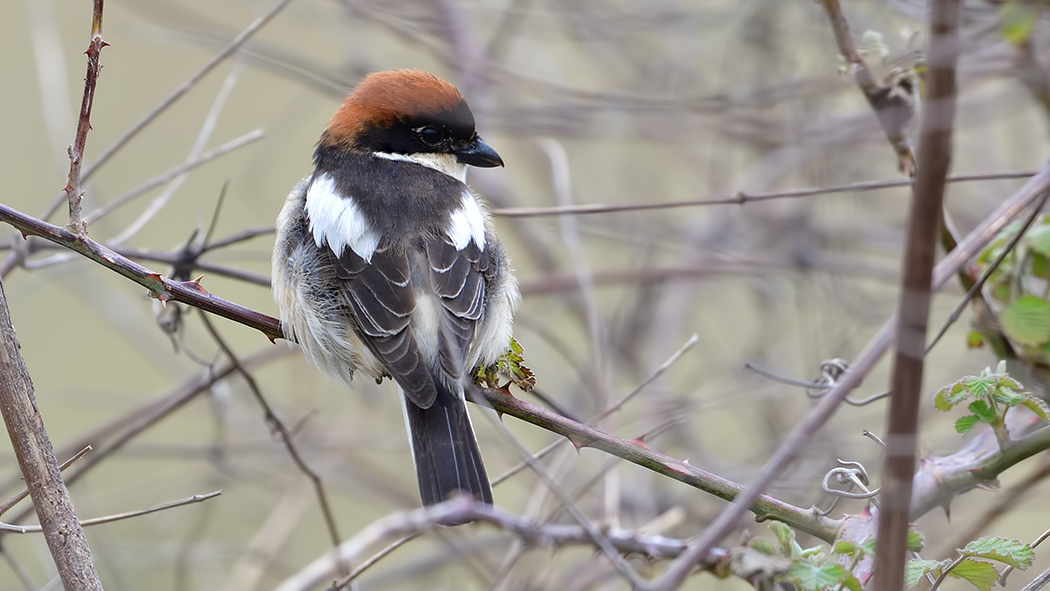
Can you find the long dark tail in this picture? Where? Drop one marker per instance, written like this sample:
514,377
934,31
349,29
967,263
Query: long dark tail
445,450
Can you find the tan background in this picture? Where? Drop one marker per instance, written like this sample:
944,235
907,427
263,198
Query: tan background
651,101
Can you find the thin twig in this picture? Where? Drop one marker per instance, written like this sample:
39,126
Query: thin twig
32,529
76,151
465,508
162,288
277,426
742,198
4,508
182,89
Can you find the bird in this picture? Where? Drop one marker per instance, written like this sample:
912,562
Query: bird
386,264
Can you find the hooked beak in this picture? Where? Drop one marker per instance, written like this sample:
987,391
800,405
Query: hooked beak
479,154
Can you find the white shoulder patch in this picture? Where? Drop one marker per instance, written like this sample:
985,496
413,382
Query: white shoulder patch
468,223
336,219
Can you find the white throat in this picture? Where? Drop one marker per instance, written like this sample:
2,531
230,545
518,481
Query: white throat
445,163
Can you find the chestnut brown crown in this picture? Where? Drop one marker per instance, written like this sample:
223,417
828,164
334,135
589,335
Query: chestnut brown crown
406,112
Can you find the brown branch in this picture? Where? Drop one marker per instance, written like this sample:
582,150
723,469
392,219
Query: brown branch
935,154
76,151
636,452
164,289
36,459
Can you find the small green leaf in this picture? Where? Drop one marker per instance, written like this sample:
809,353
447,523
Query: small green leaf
813,577
915,570
964,424
852,583
974,340
1037,406
983,411
844,547
981,574
980,386
786,536
763,546
1018,21
868,546
1027,320
1038,238
915,542
1040,266
1008,396
1012,552
949,396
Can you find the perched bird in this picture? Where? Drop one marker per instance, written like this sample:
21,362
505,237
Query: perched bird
386,264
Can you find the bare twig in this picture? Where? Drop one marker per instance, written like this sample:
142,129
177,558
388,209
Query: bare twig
76,151
32,529
742,198
581,435
467,509
4,508
162,288
278,426
182,89
36,458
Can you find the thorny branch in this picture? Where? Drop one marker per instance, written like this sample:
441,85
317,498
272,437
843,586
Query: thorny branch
76,151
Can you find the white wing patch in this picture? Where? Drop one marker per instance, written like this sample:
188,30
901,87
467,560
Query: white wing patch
468,223
335,219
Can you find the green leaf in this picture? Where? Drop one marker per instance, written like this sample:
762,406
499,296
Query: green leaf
974,340
1018,21
981,386
763,546
1008,396
964,424
1040,266
916,542
1003,290
1027,320
915,570
982,575
852,583
1038,238
812,577
786,536
950,395
845,547
1012,552
983,410
1037,406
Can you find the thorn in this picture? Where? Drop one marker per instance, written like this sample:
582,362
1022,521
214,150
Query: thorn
24,235
155,277
196,285
640,441
273,339
499,415
577,444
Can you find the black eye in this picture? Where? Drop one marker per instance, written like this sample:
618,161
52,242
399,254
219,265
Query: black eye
430,135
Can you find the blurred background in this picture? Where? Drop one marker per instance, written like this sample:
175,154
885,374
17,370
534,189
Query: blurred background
588,103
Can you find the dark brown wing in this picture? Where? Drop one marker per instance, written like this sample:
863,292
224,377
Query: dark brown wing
458,277
381,295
